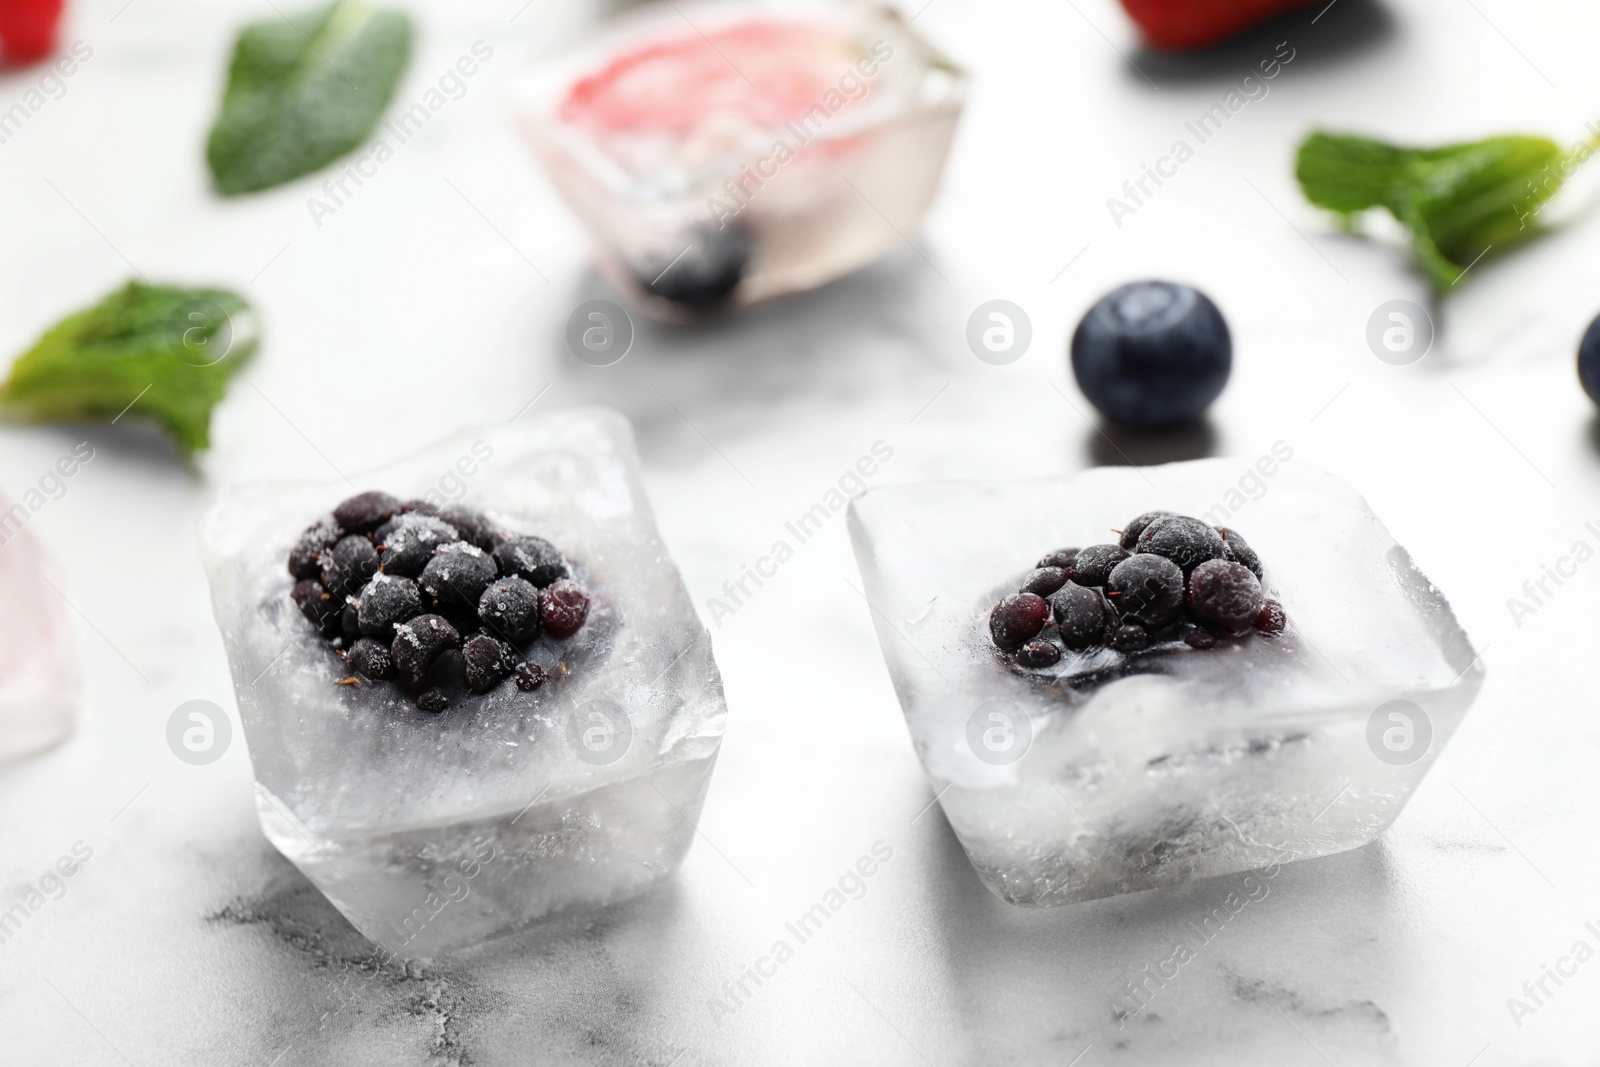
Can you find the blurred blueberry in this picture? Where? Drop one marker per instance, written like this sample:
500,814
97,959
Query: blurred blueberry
1589,361
1152,354
705,274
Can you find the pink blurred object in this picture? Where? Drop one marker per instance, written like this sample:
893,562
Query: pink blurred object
38,676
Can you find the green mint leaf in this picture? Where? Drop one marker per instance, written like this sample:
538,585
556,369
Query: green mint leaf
1459,201
147,352
303,91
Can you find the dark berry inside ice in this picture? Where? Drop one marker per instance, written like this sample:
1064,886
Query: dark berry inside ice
1147,589
562,608
1017,619
349,624
350,564
407,543
1200,639
1038,654
530,676
1130,637
1061,557
1271,619
457,575
1589,361
1093,564
1130,533
316,604
509,609
1044,581
433,700
1224,595
417,644
703,271
1185,541
385,602
532,558
1081,615
365,512
475,527
1152,354
489,660
1239,552
304,561
370,660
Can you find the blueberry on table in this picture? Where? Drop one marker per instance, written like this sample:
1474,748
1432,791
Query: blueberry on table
1044,581
1147,589
703,271
1061,557
1185,541
365,512
1093,565
408,542
1589,361
1130,533
1017,619
562,608
351,563
419,642
1081,615
319,537
1225,596
509,609
1152,354
530,676
457,575
532,558
489,661
370,659
387,601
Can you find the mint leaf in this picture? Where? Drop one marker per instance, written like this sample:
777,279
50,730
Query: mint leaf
1459,201
303,91
155,352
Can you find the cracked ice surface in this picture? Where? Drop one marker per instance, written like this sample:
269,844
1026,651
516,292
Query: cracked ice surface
432,832
1151,770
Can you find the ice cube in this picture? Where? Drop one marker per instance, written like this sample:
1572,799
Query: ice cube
38,675
1111,773
431,832
724,154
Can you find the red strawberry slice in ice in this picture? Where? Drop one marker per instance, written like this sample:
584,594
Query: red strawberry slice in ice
28,29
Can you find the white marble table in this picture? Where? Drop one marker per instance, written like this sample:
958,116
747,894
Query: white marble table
186,940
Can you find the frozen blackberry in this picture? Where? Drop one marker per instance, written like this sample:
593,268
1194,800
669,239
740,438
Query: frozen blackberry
509,609
457,575
1044,581
418,642
1271,619
1147,589
1225,596
386,601
1093,564
1017,619
1081,615
475,527
433,701
1061,557
1131,532
562,608
1038,654
532,558
365,512
407,543
530,676
349,566
1239,552
1130,637
1185,541
369,659
317,605
319,537
489,661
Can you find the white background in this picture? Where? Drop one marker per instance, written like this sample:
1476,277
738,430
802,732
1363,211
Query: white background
187,940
